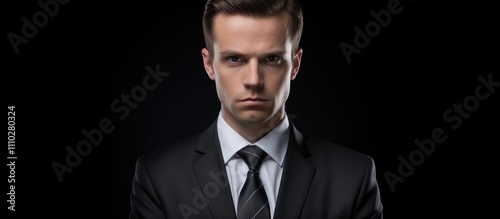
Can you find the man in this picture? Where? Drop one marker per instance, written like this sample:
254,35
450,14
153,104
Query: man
252,53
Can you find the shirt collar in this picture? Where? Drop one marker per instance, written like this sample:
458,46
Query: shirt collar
274,143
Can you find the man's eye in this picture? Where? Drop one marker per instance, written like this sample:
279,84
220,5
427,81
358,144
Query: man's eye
233,59
273,60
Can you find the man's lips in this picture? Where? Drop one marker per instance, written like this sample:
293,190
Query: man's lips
253,102
251,99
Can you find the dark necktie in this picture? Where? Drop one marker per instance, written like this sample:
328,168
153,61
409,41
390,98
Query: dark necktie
252,203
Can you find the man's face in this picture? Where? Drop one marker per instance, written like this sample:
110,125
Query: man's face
253,65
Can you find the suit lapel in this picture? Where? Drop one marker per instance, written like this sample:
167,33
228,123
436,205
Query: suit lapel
211,174
296,179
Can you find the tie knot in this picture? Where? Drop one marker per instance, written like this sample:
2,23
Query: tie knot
253,156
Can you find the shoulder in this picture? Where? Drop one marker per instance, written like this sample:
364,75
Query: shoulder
175,153
332,153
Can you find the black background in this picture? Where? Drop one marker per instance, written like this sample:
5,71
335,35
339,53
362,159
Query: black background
427,59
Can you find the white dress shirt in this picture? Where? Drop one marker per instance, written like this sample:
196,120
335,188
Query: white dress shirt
274,144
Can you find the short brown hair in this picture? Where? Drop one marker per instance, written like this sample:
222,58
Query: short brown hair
253,8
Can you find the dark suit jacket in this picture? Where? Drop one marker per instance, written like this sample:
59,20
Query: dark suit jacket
320,180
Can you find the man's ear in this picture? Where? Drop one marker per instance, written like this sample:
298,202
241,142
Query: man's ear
296,63
207,63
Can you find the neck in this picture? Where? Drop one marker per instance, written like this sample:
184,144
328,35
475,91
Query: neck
253,132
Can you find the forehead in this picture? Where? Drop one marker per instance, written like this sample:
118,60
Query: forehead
251,34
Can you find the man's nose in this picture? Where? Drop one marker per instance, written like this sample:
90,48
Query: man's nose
253,75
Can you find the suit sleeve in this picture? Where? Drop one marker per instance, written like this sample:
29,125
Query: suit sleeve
143,199
369,203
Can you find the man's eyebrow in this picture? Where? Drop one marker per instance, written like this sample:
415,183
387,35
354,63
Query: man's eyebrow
230,53
236,53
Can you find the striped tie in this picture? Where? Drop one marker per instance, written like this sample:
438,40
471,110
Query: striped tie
252,203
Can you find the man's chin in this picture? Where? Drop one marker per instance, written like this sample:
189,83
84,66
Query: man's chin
253,117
